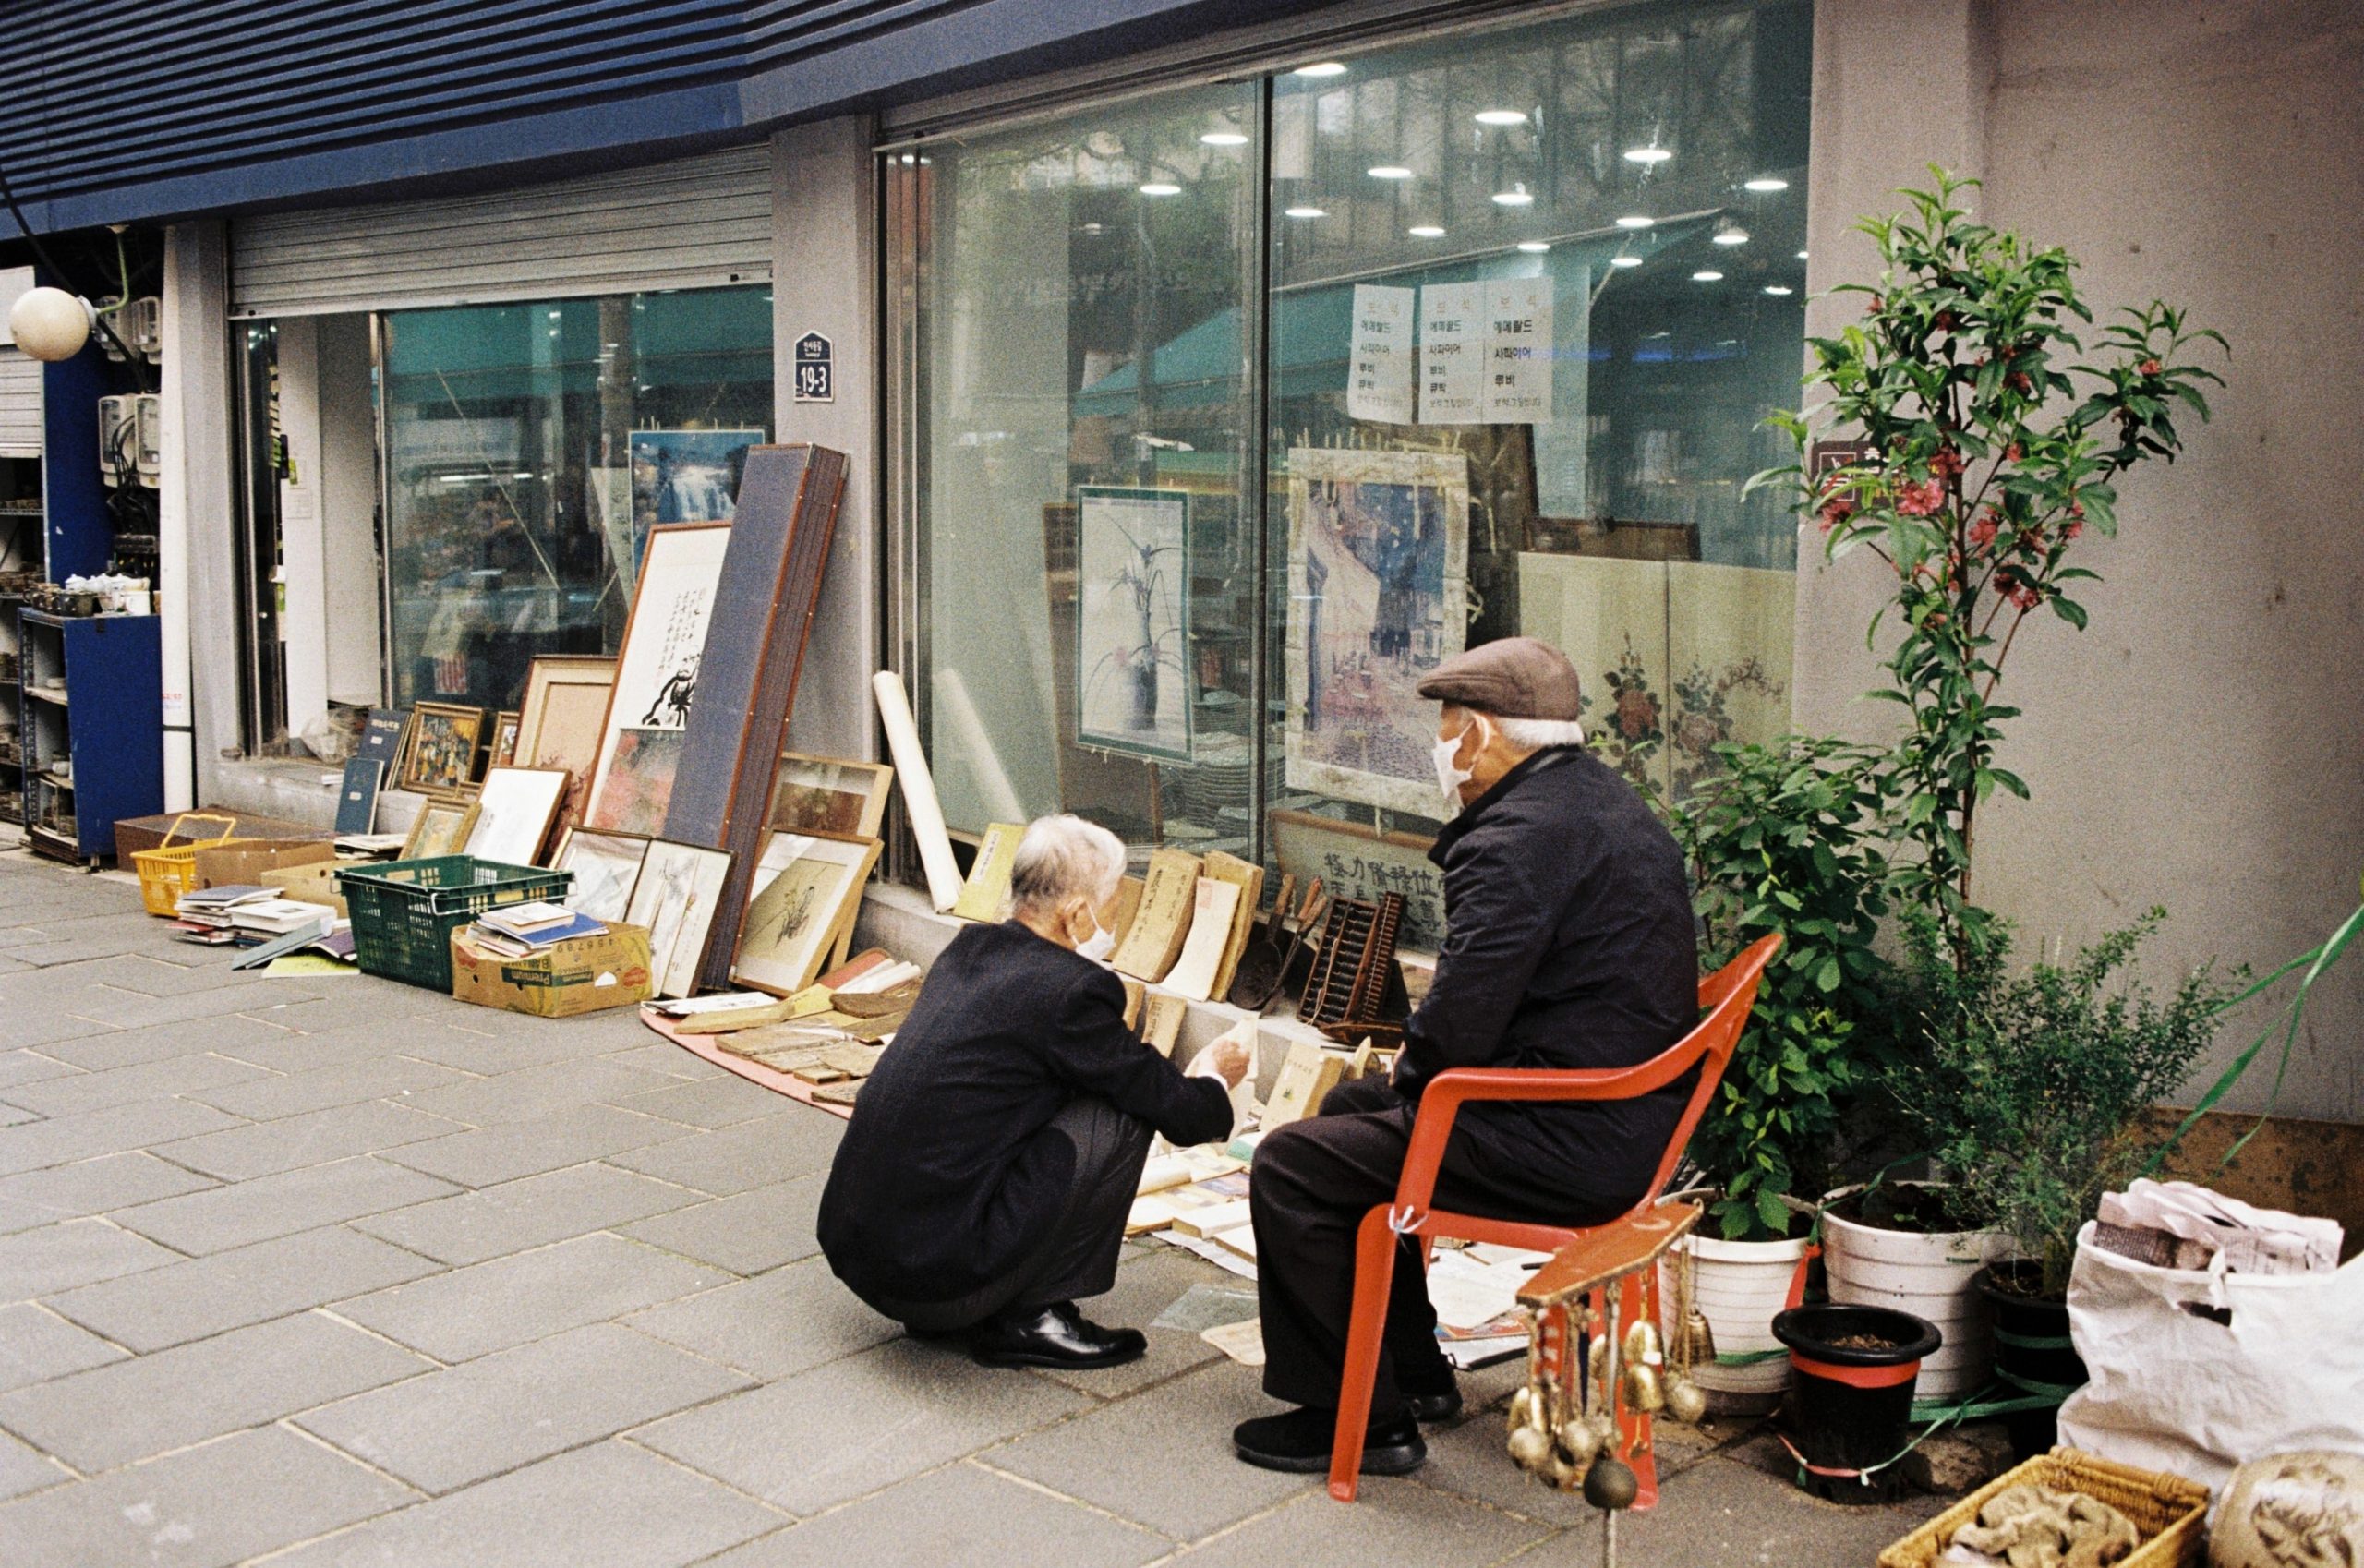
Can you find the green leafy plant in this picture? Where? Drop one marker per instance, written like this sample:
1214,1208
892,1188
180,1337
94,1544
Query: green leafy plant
1784,837
2025,1084
1987,450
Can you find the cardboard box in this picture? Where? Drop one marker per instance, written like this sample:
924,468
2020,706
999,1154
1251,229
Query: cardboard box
240,866
135,833
581,976
315,881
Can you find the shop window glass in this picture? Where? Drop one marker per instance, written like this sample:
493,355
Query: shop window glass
528,448
1083,443
1468,339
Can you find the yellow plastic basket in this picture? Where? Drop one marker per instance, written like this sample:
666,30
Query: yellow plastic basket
170,870
2168,1511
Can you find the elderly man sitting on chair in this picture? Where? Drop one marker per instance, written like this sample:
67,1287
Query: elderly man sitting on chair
983,1181
1568,943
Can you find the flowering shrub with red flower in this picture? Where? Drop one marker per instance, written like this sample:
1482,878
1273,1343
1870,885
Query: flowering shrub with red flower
1992,435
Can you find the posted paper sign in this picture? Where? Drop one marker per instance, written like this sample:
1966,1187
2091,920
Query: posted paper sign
1518,351
1453,346
1379,370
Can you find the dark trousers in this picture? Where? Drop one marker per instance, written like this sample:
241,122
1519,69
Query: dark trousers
1314,1182
1077,1255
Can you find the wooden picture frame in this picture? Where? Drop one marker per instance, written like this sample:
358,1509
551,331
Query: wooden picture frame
516,808
1136,690
606,867
502,753
802,898
830,795
675,899
561,718
442,827
643,731
439,756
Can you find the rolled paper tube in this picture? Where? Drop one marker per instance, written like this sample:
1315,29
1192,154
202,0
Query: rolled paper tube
919,789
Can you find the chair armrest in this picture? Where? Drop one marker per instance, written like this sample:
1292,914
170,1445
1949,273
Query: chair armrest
1443,1095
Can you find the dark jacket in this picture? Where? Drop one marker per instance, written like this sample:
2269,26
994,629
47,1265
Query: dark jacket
1569,943
941,1184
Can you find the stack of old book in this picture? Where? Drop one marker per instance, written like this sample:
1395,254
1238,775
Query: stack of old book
221,916
522,930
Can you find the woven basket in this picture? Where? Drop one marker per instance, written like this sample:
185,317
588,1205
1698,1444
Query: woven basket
2168,1510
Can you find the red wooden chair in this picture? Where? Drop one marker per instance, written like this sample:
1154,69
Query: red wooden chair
1728,994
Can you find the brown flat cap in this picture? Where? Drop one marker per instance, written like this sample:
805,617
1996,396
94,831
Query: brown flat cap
1511,678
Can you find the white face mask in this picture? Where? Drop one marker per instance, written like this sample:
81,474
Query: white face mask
1450,779
1099,945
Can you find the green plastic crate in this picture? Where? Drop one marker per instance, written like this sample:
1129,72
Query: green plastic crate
405,911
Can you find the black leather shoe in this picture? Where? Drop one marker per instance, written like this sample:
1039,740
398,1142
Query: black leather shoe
1299,1441
1429,1408
1057,1335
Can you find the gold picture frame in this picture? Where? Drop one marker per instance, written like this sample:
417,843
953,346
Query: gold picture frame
829,795
439,756
804,896
442,827
504,750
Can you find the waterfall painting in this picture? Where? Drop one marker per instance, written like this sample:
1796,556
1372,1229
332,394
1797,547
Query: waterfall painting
1134,689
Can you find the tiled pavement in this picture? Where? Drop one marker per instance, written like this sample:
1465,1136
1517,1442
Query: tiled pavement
330,1272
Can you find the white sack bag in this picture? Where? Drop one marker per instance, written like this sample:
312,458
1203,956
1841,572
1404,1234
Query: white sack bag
2195,1372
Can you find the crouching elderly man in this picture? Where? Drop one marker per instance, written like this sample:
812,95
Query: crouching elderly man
983,1181
1568,943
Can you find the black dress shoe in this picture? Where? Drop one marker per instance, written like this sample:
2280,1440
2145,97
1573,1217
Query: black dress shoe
1057,1335
1429,1408
1299,1441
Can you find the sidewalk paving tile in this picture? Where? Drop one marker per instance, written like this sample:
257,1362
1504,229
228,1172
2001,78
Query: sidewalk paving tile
37,1344
960,1517
247,1212
381,1078
488,1156
64,1140
117,1414
532,1092
491,1305
186,1300
710,1103
747,1232
203,1507
610,1506
1722,1514
1391,1520
78,1252
90,1187
773,1325
23,1471
462,1424
737,1158
315,1138
534,1211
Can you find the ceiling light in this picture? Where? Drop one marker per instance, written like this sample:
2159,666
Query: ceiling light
1159,188
1516,197
1425,230
1635,222
1648,154
1624,261
1390,172
1534,246
1325,68
1706,275
1224,138
1779,290
1303,212
1730,234
1764,184
1502,116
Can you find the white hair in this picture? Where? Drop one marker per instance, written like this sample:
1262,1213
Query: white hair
1065,854
1534,734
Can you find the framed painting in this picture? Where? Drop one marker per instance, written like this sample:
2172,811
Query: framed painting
606,867
685,476
805,889
515,810
657,675
829,795
502,753
1379,596
678,888
442,827
1134,690
442,756
559,717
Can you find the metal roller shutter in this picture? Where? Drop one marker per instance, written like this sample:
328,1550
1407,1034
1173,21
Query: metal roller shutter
699,222
19,404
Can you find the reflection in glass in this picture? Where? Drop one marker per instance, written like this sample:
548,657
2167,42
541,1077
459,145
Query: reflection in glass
528,448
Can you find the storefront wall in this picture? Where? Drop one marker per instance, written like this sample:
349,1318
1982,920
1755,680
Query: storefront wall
2199,747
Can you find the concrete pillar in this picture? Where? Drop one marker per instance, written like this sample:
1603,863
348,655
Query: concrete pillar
199,594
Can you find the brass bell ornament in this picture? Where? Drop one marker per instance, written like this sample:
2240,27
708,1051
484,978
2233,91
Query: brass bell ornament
1579,1440
1610,1485
1686,1401
1644,1386
1530,1448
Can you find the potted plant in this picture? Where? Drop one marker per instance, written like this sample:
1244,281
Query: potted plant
1782,838
1856,1368
2026,1088
1977,440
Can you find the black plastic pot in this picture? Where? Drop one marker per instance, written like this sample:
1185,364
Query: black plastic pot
1848,1408
2032,1354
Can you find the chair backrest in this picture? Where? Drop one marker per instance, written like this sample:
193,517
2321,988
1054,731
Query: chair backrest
1728,994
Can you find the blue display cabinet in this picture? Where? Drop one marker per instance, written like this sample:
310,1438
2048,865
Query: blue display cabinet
93,746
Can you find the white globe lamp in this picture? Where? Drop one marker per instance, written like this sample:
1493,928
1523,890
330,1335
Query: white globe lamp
50,324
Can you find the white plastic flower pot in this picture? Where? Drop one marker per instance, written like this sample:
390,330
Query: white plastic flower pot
1740,1285
1931,1274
